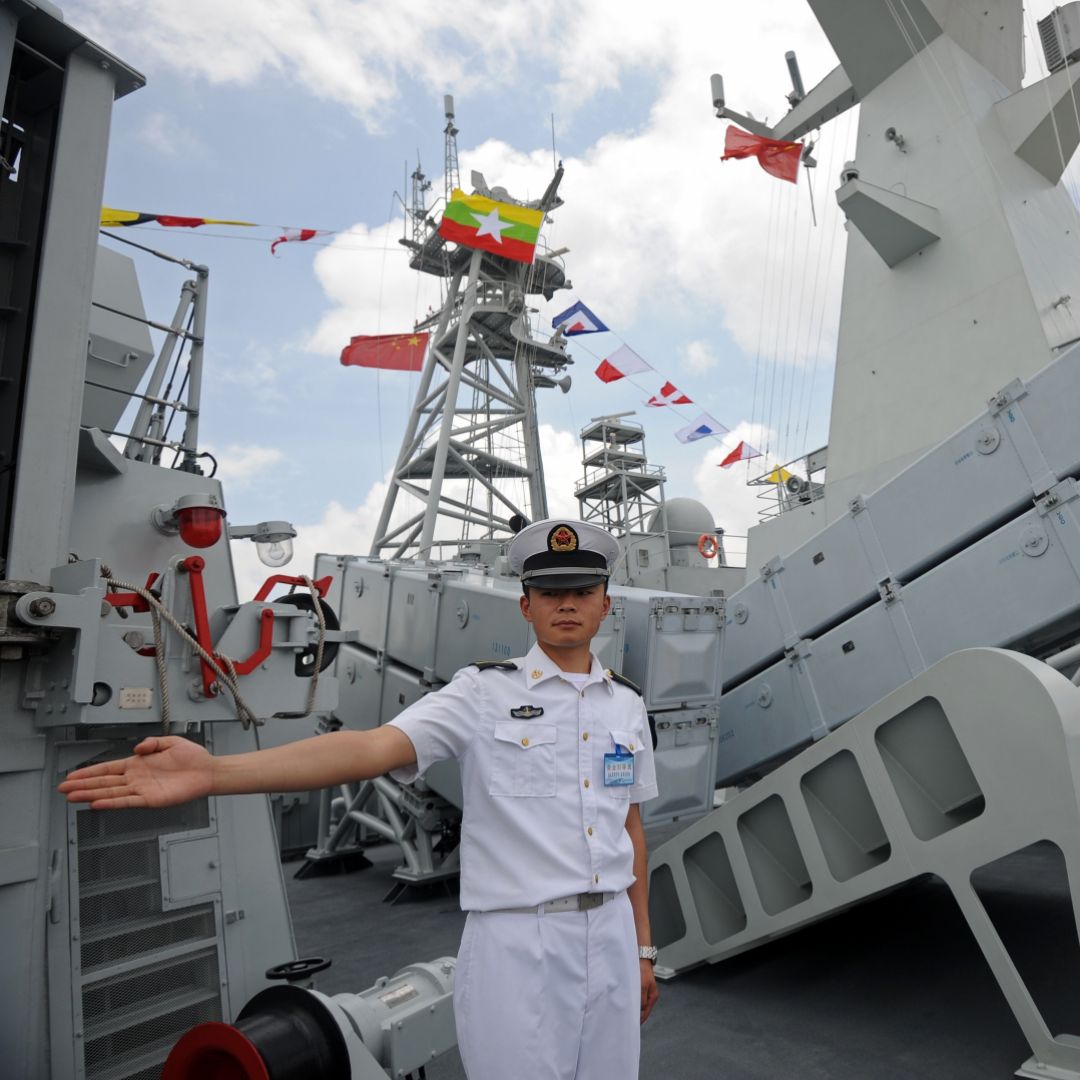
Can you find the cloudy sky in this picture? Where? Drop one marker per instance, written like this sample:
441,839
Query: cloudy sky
311,114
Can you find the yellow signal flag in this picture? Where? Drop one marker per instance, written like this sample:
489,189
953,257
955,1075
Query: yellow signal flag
779,475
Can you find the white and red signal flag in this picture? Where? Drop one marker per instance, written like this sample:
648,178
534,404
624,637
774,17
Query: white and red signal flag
743,452
669,395
289,236
622,362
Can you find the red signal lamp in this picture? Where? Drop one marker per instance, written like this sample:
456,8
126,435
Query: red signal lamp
200,526
197,518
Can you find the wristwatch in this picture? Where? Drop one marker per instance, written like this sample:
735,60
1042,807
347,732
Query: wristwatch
648,952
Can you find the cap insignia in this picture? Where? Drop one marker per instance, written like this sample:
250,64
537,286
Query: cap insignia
562,539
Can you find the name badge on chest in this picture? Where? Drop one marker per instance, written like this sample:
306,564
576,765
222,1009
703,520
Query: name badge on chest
619,768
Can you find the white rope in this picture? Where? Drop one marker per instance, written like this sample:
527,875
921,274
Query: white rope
316,600
226,675
761,318
782,313
792,351
846,139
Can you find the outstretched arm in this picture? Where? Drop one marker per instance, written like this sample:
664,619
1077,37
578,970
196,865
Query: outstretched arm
168,770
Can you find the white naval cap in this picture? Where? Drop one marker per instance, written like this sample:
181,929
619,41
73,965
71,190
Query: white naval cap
563,554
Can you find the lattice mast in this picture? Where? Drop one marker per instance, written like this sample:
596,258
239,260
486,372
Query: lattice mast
417,215
470,463
620,490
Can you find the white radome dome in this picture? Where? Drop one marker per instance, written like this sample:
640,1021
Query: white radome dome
687,520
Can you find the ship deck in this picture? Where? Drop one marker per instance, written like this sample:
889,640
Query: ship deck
893,989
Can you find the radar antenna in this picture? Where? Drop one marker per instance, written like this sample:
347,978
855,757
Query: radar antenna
451,172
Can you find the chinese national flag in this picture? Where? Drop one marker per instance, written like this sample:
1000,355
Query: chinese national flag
776,157
391,352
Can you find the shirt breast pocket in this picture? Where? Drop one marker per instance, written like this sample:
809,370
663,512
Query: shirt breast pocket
523,759
626,742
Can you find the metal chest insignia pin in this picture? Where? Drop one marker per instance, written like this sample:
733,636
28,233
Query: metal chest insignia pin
526,712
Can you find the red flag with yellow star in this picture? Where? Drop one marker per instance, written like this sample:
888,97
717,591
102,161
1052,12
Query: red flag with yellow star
391,352
775,156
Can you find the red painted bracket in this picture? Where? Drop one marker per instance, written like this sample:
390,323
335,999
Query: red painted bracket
266,637
194,566
130,599
322,584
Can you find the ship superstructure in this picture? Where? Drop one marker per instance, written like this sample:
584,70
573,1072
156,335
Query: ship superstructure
890,696
962,245
874,734
119,619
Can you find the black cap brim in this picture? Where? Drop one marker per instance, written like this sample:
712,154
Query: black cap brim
563,581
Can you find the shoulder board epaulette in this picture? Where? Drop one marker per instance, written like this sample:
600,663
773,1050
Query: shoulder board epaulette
616,677
501,665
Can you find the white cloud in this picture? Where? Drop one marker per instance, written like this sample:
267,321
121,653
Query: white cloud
366,275
659,229
561,451
699,357
254,371
169,137
239,464
355,53
656,224
340,531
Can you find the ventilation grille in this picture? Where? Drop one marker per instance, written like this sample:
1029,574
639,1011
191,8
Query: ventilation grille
1051,42
148,975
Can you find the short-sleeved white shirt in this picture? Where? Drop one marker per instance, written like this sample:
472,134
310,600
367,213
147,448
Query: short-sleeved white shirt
538,820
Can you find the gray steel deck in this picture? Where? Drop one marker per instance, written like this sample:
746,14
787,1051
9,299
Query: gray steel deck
891,990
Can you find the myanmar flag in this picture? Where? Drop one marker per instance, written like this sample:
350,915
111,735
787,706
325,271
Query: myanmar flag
479,222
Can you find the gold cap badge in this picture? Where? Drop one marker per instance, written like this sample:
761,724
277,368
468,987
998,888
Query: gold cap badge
562,539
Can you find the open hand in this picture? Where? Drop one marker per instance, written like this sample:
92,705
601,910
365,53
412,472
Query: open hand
165,771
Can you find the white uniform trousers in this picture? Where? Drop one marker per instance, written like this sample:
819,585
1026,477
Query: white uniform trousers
549,996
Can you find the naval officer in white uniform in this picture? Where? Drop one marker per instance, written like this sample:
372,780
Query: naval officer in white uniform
554,973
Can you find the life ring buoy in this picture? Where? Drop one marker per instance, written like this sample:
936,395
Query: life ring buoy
708,545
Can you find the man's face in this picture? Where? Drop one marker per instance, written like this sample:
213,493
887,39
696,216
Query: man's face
566,618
